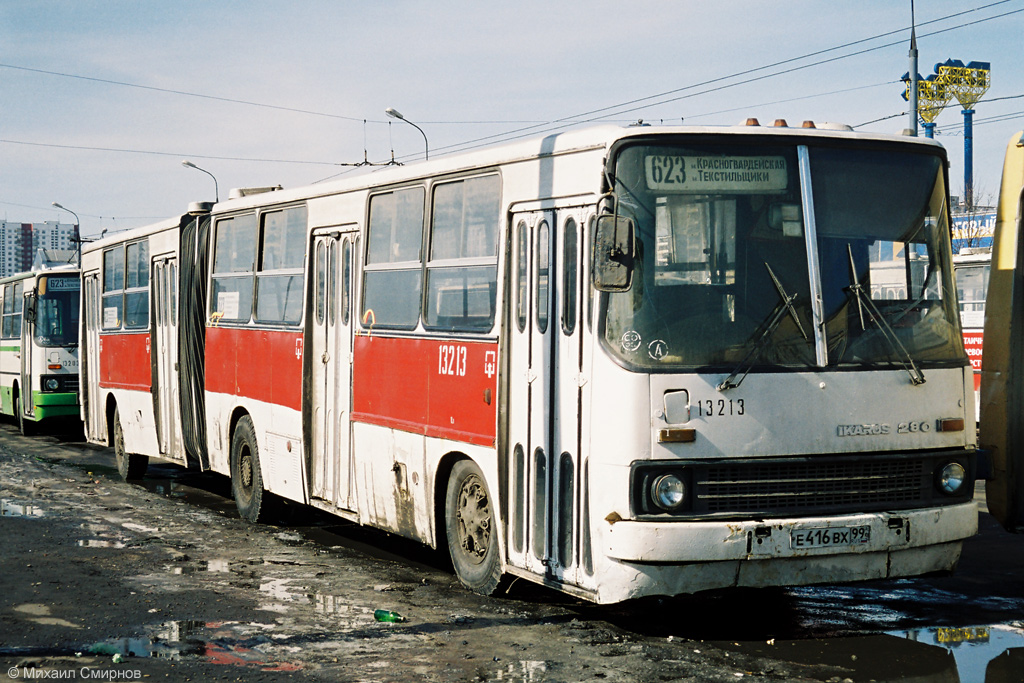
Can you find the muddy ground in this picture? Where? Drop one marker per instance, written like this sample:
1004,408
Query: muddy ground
103,579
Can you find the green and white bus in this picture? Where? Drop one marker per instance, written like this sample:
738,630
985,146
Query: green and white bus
39,346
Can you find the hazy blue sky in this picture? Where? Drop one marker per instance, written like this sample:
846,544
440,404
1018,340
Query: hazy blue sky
462,70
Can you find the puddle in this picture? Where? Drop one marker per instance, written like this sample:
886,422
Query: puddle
8,508
980,652
101,536
987,654
228,643
99,543
524,671
218,566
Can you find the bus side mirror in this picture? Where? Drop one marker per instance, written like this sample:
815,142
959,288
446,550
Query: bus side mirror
613,253
29,313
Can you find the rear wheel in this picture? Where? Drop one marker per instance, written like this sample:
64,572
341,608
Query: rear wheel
471,530
129,465
246,477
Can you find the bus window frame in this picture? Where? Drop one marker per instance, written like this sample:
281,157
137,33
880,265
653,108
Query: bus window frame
471,265
387,271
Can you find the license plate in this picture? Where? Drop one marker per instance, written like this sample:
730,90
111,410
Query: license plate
836,536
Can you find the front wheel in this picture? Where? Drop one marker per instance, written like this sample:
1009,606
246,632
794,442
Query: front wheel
471,531
129,465
246,477
27,427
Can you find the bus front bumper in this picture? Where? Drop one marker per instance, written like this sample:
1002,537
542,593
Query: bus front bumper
645,558
715,541
61,404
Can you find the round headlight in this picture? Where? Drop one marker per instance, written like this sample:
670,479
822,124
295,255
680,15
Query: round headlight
52,384
668,492
952,477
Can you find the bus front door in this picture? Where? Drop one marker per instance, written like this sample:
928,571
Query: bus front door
28,325
544,393
331,361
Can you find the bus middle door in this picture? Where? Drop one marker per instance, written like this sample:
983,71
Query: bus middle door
92,406
165,342
331,339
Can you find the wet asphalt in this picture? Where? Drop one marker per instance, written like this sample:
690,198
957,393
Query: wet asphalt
101,579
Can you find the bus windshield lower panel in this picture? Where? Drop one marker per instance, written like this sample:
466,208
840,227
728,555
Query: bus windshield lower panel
721,274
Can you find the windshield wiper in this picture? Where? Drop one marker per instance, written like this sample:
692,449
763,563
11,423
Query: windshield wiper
767,327
864,301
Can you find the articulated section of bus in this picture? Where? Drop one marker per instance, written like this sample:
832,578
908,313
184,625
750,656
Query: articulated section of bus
783,395
39,351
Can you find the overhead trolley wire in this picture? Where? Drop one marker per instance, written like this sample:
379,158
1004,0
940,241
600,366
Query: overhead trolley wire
616,110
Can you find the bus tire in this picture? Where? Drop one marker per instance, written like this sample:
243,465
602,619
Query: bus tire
27,427
246,477
130,465
471,530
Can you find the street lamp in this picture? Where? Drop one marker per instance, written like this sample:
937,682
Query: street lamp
77,239
216,189
394,113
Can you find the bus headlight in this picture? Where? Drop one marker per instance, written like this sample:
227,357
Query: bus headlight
52,384
951,478
668,492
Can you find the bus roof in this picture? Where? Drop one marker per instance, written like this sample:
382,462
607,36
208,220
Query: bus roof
577,140
591,138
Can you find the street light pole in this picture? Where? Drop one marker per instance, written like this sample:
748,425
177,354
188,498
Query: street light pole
216,188
913,73
77,239
394,113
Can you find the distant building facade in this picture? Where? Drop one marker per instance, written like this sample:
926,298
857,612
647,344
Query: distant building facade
21,242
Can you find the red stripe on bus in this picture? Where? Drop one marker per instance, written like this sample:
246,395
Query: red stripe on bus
125,361
439,388
265,365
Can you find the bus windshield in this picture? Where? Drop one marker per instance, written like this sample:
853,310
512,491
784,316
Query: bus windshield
57,311
722,274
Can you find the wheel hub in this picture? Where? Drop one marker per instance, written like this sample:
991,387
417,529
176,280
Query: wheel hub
474,516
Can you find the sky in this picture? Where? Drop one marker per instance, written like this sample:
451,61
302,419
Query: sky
101,100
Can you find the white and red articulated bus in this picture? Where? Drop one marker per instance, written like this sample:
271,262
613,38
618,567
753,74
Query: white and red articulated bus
616,361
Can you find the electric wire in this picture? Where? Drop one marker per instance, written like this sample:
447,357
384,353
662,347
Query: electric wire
523,132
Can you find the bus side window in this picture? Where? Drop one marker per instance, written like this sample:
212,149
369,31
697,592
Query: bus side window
393,277
281,256
462,272
113,288
234,260
136,292
8,310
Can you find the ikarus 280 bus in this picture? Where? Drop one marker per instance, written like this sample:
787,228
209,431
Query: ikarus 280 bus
39,346
616,361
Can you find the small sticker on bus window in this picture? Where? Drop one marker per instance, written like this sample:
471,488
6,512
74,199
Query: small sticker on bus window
716,174
110,318
227,305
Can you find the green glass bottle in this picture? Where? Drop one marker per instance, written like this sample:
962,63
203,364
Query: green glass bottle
388,616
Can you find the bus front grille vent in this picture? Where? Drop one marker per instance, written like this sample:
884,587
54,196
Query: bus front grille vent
787,487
